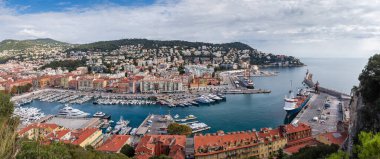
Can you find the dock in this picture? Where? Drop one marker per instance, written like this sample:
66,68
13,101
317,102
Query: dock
247,91
155,124
324,111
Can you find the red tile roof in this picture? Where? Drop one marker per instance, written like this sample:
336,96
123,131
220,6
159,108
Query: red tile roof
290,128
296,148
231,141
147,145
58,134
114,144
84,134
37,125
221,139
335,137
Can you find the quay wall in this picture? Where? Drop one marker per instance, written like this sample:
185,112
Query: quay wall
309,82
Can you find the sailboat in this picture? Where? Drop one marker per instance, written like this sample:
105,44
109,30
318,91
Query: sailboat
248,80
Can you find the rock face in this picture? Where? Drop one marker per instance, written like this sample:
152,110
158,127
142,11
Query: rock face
355,121
363,117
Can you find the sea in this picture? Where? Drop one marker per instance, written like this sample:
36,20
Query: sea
243,111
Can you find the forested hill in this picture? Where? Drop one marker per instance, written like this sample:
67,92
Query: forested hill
151,44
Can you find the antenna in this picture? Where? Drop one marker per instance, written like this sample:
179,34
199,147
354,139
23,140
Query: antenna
291,84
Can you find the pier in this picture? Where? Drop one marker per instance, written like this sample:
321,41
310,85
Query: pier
308,80
325,111
154,124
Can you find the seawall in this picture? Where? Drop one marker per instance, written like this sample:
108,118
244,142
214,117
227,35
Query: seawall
309,82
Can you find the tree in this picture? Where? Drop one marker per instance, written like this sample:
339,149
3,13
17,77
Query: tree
128,150
6,106
280,154
369,144
179,129
69,64
319,151
126,74
8,125
181,70
89,148
35,150
339,155
160,157
370,81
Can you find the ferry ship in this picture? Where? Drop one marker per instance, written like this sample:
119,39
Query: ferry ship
293,104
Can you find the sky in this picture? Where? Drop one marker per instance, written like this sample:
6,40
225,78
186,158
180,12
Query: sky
301,28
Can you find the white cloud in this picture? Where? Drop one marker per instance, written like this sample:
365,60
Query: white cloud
307,28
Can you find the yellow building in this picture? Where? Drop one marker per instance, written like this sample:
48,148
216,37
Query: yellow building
44,82
89,136
65,81
38,130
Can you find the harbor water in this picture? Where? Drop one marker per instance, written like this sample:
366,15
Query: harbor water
240,112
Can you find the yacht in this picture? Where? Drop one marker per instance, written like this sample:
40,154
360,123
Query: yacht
190,117
202,100
176,116
215,97
99,114
70,112
121,127
133,131
194,103
250,84
28,115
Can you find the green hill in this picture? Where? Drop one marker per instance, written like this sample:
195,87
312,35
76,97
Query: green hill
150,44
25,44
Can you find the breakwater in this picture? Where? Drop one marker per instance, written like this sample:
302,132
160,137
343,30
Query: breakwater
308,80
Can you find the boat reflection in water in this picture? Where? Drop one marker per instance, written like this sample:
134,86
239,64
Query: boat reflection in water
289,118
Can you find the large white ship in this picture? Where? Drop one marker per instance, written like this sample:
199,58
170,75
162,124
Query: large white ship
295,104
70,112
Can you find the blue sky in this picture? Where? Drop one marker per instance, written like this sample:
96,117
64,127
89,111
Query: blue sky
39,6
302,28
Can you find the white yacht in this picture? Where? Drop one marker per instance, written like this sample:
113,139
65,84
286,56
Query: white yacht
203,100
215,97
99,114
70,112
121,127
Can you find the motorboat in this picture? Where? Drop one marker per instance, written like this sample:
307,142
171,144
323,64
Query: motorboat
99,114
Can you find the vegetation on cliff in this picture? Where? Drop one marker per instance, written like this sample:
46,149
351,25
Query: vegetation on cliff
369,91
370,82
369,146
8,127
35,150
314,152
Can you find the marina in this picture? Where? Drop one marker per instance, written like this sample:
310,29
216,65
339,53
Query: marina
79,97
244,110
28,115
